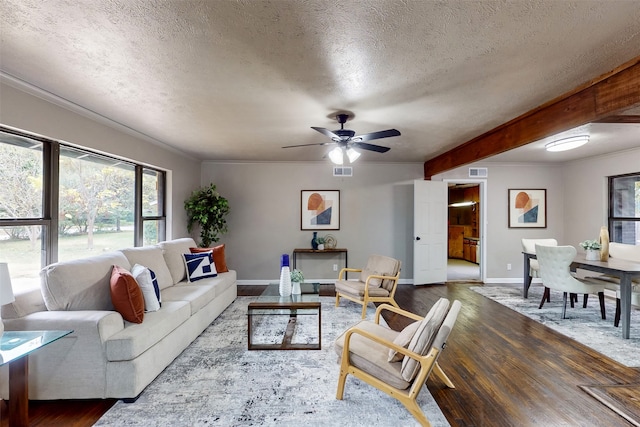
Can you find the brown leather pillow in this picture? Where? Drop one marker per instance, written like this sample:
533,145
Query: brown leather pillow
126,295
218,257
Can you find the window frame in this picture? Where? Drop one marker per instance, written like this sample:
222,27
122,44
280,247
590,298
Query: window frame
50,195
612,218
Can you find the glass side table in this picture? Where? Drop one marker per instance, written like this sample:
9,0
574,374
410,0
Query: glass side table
15,347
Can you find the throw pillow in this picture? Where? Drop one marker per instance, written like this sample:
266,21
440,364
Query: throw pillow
199,266
218,257
143,276
375,283
403,339
126,295
424,336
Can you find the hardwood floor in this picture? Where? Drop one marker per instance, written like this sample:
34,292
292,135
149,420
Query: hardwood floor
508,370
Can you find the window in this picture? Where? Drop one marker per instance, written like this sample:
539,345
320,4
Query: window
624,208
101,204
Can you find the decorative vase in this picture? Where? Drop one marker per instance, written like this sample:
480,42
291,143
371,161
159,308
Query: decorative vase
593,255
314,241
321,247
604,244
285,276
295,288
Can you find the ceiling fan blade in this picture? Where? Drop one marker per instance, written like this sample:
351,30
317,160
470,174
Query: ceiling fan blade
371,147
376,135
307,145
327,132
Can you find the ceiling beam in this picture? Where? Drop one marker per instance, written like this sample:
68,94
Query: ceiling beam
620,119
606,96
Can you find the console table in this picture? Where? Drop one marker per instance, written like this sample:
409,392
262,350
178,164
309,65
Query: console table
298,251
15,347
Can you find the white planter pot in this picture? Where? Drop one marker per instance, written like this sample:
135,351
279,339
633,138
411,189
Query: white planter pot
295,288
592,255
321,247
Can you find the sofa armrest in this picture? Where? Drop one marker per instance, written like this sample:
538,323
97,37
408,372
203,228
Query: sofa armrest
102,323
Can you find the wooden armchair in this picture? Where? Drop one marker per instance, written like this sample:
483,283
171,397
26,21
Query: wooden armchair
377,282
397,363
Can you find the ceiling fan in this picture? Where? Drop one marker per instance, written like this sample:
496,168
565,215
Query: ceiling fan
347,141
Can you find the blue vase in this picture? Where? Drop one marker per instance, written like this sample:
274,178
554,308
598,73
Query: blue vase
314,241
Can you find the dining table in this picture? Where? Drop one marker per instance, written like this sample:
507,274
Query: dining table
624,270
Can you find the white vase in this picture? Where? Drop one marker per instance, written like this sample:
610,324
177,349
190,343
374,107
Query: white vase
295,288
321,247
593,255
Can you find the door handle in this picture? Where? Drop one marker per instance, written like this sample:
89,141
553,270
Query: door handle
418,238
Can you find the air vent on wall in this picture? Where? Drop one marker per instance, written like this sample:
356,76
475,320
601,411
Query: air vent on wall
478,172
342,171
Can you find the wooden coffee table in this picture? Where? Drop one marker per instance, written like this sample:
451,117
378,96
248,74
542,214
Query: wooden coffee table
296,308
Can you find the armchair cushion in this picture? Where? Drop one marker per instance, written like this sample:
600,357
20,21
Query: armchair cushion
375,282
403,340
423,338
356,289
383,266
371,356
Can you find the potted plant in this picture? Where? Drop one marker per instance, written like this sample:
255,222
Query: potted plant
320,241
208,209
296,278
592,248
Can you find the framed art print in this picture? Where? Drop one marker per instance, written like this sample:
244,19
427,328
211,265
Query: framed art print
320,210
527,208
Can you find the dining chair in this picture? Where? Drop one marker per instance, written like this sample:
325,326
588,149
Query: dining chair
529,246
554,266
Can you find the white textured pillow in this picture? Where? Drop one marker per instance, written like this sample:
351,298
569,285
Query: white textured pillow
403,339
424,336
143,276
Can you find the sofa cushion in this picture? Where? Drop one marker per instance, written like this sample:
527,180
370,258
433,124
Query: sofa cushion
148,285
219,258
126,295
135,339
199,266
152,258
195,294
424,336
172,251
81,284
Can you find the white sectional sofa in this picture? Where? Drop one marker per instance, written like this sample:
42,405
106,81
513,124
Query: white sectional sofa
106,356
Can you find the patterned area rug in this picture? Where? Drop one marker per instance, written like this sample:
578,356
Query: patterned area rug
582,324
216,381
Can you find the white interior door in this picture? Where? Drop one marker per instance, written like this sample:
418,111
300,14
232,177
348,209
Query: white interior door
430,232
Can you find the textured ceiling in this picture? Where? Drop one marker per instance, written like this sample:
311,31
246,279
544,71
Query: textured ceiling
236,80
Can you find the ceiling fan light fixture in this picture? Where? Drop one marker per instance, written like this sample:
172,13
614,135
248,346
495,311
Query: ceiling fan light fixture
336,156
569,143
352,155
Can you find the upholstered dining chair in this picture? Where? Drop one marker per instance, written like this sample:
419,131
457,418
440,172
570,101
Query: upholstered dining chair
554,266
635,300
397,363
529,246
377,282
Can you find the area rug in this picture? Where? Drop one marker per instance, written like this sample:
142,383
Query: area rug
216,381
582,324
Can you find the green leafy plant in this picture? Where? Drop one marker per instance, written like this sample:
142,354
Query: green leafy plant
297,276
208,209
320,240
593,245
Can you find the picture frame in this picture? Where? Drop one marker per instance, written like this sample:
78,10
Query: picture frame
527,208
320,209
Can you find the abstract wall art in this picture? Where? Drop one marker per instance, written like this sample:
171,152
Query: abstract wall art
320,210
527,208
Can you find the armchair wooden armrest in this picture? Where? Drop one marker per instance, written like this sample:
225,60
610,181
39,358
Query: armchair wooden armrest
397,310
348,270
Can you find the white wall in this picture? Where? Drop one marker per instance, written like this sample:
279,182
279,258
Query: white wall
376,214
31,113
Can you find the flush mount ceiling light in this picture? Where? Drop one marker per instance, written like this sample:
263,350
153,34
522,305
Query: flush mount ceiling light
568,143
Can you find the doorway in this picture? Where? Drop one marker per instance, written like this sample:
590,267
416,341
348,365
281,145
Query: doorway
464,230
